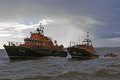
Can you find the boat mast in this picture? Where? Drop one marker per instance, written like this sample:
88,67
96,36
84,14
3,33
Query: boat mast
87,38
40,30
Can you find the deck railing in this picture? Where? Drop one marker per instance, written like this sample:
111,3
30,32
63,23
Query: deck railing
72,43
11,43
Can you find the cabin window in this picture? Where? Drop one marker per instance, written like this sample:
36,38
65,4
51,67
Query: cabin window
83,46
89,47
40,41
47,48
37,41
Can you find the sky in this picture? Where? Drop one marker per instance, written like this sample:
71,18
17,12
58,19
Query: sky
63,20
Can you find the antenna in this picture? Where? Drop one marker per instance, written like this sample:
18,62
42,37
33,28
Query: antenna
40,29
87,35
87,38
40,25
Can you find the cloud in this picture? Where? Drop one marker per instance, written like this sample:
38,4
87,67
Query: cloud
60,29
5,35
13,25
65,20
46,21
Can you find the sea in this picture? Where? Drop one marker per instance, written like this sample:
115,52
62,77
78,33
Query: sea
62,68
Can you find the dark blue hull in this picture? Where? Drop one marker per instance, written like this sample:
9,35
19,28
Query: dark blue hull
80,53
15,52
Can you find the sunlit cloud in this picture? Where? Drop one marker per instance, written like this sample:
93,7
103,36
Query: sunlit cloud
46,21
13,25
5,35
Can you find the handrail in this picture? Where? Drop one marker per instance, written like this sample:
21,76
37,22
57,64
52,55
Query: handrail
72,43
12,43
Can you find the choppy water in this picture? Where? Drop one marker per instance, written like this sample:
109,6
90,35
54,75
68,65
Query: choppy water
59,68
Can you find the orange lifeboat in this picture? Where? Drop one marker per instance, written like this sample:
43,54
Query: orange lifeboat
37,45
84,50
110,55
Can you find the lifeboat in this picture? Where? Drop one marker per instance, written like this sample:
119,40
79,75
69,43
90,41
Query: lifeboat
84,50
37,45
110,55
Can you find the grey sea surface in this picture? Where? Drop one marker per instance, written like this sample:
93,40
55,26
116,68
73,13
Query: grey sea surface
62,68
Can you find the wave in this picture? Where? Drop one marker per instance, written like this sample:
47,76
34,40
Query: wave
114,65
102,74
70,75
107,74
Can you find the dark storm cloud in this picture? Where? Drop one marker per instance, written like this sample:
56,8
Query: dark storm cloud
15,10
102,15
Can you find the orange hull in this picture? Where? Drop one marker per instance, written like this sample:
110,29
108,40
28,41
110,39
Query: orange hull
107,55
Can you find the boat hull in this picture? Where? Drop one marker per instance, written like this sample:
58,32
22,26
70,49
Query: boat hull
110,55
18,52
81,53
